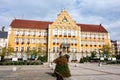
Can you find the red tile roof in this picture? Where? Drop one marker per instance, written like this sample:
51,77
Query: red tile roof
92,28
18,23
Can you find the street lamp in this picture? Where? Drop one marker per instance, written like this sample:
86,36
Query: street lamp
49,58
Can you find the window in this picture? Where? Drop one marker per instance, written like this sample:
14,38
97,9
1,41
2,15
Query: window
69,33
45,34
39,33
28,41
16,49
64,40
33,48
23,33
53,49
22,49
33,41
17,33
55,31
22,40
34,33
65,32
17,40
60,32
73,32
28,33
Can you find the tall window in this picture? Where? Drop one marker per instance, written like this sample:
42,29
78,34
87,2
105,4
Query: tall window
33,41
65,32
17,40
39,33
69,33
34,33
16,49
55,32
17,33
22,40
23,33
28,33
64,40
53,49
60,32
22,49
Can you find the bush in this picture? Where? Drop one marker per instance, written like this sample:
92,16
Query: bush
85,59
21,63
114,62
43,58
81,60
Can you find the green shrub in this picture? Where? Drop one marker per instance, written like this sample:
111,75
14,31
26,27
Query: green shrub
81,60
43,58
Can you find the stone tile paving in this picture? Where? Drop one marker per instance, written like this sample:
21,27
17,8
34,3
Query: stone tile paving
85,71
25,73
92,71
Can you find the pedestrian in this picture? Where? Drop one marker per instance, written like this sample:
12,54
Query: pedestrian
62,70
99,63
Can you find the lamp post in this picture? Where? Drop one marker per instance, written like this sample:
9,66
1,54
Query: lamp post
49,58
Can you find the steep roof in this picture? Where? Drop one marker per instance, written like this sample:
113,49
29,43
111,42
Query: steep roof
18,23
92,28
3,34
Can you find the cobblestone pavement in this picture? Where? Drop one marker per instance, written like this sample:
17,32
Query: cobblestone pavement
25,73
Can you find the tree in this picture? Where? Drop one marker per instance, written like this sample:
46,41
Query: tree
93,54
41,50
9,51
106,50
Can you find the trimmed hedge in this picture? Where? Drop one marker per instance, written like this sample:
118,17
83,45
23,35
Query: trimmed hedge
113,62
85,59
21,63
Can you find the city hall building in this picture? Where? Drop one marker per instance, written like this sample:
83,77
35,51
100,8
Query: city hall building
64,34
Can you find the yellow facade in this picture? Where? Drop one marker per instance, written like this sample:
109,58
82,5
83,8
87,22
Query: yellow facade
32,38
66,31
62,32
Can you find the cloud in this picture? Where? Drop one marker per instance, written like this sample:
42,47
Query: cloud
82,11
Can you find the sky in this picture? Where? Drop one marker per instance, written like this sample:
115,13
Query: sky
105,12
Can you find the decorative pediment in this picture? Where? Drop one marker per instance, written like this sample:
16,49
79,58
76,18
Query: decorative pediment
64,19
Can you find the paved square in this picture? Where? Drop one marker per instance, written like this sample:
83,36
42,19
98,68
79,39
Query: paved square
91,71
87,71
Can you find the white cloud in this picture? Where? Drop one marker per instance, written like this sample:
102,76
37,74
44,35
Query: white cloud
82,11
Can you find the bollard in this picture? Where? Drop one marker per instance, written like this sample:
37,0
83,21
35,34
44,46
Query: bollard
14,69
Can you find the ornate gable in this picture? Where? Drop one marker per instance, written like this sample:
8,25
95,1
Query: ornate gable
64,21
